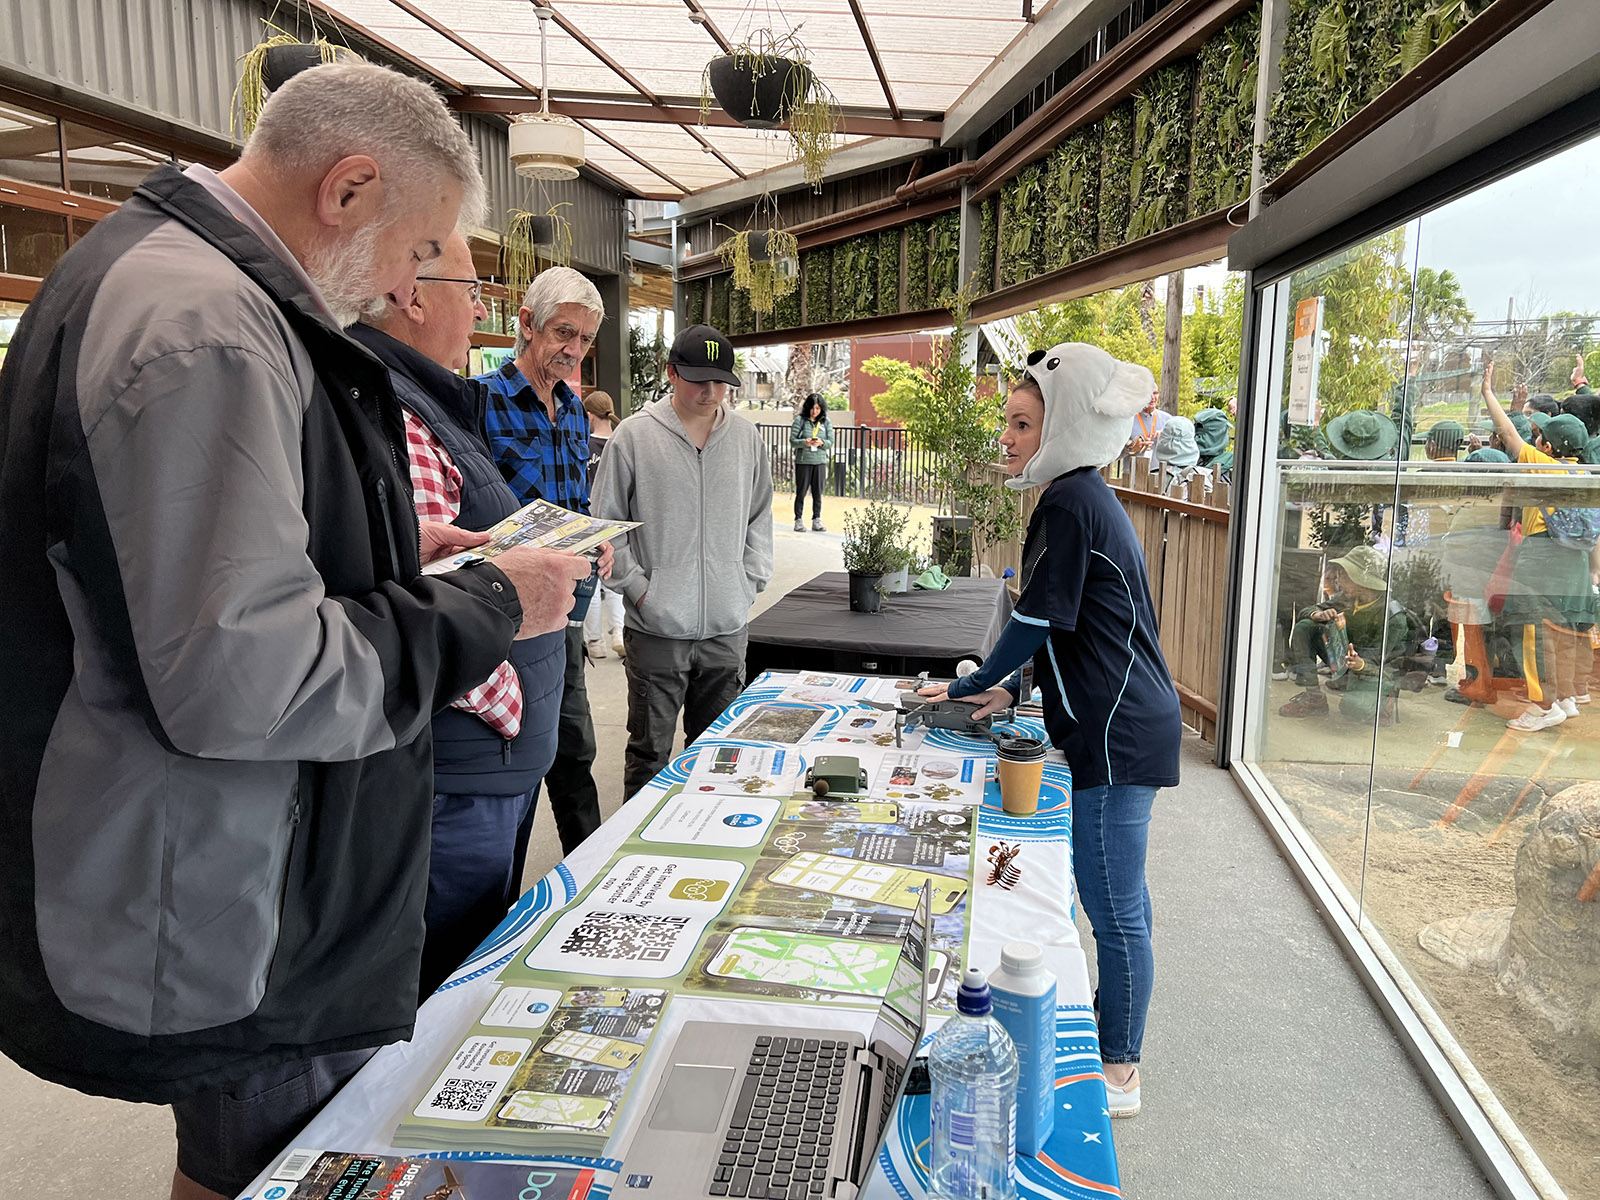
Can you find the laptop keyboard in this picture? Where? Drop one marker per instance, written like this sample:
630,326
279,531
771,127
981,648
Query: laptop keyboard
781,1133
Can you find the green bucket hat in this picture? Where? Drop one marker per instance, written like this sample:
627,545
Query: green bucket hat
1363,435
1523,426
1365,566
1446,437
1565,433
1211,431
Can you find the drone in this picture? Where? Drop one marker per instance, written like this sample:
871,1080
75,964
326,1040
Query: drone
913,710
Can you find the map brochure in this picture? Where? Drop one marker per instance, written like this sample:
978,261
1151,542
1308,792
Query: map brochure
543,1071
933,778
539,524
332,1175
745,771
774,721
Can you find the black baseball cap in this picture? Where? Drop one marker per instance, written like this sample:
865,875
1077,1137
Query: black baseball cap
700,353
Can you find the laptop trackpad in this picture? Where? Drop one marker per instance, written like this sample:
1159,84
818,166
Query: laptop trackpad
691,1101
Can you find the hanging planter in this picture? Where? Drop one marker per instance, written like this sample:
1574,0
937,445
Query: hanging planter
268,65
531,242
767,83
765,262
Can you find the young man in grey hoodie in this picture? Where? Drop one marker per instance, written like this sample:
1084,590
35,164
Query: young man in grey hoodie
697,479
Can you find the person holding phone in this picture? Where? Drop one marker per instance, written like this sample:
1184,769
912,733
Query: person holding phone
1085,617
812,438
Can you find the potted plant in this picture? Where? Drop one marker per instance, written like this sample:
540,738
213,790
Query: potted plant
532,242
871,551
899,579
766,82
268,65
765,261
942,410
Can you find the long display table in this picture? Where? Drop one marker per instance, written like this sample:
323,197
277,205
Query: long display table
675,849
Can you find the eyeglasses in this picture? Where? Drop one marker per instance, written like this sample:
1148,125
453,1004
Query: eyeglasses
475,291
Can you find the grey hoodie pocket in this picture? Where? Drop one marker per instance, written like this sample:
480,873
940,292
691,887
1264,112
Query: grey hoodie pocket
671,605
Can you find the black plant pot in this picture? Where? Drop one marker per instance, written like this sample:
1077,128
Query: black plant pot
758,103
282,63
864,593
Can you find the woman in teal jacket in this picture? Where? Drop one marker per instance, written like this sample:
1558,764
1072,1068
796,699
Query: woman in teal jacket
812,439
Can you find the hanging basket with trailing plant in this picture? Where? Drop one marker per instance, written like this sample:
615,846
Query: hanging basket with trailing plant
531,242
271,63
765,260
767,83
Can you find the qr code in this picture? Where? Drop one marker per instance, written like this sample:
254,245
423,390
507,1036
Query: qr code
464,1095
638,937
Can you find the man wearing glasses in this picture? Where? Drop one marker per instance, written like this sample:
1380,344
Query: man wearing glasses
540,437
492,746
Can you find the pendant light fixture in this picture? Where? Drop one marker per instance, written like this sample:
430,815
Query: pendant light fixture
543,145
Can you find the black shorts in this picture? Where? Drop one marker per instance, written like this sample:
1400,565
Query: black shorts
230,1134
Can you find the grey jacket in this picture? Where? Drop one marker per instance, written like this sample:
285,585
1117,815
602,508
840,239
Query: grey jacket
704,548
219,668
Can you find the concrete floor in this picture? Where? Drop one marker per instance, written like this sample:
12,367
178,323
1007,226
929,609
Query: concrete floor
1269,1073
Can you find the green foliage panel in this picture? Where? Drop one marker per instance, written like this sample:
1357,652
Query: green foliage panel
694,301
917,266
1116,166
988,247
944,258
1022,226
721,286
741,317
1158,180
1338,55
816,272
786,311
1072,217
888,272
1224,117
855,278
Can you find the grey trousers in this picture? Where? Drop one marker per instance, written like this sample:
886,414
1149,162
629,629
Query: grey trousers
667,676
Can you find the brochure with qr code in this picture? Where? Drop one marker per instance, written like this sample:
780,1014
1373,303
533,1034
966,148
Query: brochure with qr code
539,524
541,1072
333,1175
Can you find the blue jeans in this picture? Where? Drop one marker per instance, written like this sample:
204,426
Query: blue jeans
474,873
1110,833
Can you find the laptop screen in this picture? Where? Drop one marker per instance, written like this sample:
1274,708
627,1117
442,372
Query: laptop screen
902,1017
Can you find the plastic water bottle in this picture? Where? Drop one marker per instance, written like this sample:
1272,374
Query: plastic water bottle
972,1066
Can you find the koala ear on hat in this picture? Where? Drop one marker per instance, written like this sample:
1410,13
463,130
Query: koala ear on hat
1127,391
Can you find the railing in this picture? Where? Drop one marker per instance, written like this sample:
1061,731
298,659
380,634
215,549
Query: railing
872,464
1185,539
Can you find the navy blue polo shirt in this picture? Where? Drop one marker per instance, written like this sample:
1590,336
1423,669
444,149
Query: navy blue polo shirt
1109,703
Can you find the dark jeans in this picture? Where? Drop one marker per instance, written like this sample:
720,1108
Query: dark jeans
574,798
1313,641
667,676
473,876
1110,834
809,477
228,1135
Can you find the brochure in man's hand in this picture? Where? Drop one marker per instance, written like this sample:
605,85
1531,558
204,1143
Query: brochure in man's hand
335,1175
539,524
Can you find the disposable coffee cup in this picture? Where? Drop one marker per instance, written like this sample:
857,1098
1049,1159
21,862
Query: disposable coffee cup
1021,773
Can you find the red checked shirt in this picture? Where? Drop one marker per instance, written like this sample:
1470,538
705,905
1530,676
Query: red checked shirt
436,485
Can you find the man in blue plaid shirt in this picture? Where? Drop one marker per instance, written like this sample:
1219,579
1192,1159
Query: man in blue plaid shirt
539,435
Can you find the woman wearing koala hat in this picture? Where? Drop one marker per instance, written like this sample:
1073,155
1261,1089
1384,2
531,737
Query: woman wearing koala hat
1086,619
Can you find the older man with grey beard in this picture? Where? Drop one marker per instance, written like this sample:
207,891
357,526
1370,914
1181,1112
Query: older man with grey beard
222,658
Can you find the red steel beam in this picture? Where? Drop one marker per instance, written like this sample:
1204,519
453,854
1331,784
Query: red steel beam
872,53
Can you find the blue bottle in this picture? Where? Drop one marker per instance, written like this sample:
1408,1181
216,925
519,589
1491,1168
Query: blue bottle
972,1066
1024,996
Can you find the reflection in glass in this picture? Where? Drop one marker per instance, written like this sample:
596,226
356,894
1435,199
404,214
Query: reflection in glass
30,149
1424,697
31,242
99,165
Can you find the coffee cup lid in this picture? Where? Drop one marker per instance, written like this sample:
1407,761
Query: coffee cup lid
1020,749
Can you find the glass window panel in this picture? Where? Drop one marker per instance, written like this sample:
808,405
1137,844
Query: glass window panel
10,313
1422,665
31,242
100,165
30,149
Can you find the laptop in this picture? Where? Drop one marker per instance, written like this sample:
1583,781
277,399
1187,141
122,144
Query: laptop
766,1112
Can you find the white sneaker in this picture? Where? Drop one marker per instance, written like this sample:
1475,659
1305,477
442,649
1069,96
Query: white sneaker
1536,719
1124,1101
616,644
1280,675
799,526
1569,706
1582,697
596,649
